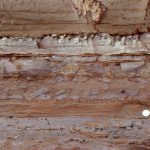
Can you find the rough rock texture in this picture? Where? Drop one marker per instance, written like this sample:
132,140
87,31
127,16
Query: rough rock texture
43,17
74,74
76,133
93,10
69,92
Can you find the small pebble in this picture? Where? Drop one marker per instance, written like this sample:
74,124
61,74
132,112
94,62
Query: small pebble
146,113
4,38
76,40
30,39
54,35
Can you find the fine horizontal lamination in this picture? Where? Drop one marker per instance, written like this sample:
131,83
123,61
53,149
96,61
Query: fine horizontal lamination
41,17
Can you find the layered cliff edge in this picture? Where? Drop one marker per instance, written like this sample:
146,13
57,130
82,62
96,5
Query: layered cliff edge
67,85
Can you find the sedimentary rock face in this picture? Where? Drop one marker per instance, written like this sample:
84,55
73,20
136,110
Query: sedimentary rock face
75,75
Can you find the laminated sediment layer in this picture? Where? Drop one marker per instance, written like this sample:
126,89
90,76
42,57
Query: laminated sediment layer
43,17
92,67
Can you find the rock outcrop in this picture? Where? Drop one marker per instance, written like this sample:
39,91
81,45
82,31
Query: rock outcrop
74,74
75,92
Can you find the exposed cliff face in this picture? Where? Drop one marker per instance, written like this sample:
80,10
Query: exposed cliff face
75,67
74,74
75,92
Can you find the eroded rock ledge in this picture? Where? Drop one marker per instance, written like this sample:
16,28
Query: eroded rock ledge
100,67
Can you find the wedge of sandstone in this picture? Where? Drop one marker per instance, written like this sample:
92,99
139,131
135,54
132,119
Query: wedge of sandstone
37,18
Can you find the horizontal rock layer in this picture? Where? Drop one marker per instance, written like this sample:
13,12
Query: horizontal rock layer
42,17
75,68
74,133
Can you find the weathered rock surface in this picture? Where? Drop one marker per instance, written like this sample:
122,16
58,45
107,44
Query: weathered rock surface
75,92
80,80
43,17
76,133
